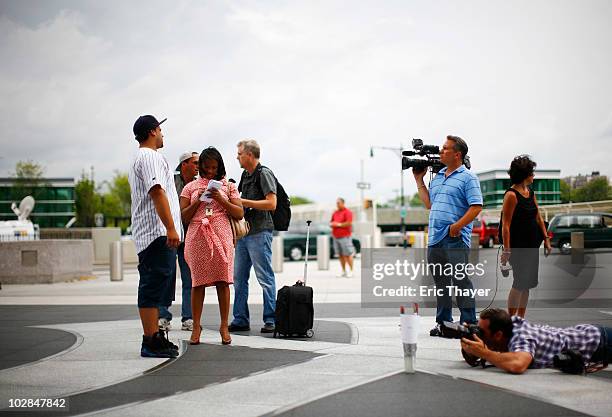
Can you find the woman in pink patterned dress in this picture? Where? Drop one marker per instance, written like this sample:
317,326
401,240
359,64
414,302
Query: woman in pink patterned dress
209,246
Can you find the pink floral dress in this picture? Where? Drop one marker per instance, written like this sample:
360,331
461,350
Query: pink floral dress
209,248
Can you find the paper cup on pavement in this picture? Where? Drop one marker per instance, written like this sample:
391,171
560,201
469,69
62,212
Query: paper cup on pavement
410,328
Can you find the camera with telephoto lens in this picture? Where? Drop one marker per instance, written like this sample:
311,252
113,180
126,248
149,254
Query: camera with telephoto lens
431,157
457,331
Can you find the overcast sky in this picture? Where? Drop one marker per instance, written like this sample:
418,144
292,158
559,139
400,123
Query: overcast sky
315,82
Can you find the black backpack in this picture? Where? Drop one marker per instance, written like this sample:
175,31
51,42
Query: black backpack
282,215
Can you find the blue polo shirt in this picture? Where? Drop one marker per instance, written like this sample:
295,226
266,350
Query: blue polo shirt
450,198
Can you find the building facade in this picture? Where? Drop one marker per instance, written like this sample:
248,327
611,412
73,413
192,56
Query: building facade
546,185
55,199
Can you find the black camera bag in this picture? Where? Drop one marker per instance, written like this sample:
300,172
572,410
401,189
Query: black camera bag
570,361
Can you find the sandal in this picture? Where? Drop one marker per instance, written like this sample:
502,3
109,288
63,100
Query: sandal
226,339
193,341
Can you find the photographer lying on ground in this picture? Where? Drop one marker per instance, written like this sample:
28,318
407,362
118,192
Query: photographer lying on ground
514,344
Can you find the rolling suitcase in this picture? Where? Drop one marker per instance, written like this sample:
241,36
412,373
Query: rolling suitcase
294,307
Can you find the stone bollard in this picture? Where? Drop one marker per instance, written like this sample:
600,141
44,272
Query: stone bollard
474,249
366,241
323,252
278,254
116,261
577,251
419,240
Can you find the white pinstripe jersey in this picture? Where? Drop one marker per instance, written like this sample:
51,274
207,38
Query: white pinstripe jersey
150,168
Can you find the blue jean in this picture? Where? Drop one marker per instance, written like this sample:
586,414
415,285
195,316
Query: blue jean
164,312
607,349
451,250
255,251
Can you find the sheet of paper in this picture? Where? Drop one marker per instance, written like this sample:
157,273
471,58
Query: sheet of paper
212,185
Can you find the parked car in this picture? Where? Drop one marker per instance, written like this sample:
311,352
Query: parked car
395,239
487,231
294,241
597,229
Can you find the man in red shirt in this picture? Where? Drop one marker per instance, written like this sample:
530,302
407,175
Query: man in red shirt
341,222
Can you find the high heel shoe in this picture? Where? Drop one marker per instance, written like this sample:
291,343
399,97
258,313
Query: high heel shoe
193,341
226,339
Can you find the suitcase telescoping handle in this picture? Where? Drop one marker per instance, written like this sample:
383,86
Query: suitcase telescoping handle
307,245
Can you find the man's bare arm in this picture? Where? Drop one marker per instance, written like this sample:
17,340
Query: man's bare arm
419,177
468,217
269,204
162,207
513,362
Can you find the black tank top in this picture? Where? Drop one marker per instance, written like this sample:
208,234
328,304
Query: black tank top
524,229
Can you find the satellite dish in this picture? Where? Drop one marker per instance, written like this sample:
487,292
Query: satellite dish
25,208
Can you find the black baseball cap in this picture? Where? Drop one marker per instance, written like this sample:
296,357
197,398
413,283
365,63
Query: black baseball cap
144,124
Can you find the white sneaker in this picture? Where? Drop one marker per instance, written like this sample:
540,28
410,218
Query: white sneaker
187,325
164,324
342,275
349,274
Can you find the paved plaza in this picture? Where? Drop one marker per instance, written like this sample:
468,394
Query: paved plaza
80,341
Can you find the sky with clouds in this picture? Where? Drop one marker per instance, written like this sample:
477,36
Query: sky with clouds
315,82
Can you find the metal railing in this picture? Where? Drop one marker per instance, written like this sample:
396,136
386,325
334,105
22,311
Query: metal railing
549,211
420,216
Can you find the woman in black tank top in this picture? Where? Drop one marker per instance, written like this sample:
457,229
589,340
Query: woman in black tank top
523,231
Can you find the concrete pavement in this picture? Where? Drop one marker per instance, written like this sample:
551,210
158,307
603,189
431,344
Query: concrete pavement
352,365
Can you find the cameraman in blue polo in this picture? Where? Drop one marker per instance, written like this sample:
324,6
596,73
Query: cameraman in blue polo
454,200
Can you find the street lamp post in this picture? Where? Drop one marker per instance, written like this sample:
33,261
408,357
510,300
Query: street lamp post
398,152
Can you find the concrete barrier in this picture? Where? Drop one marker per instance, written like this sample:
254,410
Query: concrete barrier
577,251
323,252
278,255
102,238
474,249
128,249
116,261
45,261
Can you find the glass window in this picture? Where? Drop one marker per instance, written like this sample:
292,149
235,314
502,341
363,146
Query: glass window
563,221
585,221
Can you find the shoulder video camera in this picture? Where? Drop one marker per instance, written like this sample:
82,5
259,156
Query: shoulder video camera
431,157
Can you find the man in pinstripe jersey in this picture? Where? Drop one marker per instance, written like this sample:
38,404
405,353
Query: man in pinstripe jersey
156,230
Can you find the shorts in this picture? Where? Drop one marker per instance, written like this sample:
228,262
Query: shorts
343,246
157,270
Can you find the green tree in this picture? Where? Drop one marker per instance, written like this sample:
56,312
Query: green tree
296,200
410,201
119,195
27,180
565,191
28,170
86,201
114,203
415,201
111,206
595,190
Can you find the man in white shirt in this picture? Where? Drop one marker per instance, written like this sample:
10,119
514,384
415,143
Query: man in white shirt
156,230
